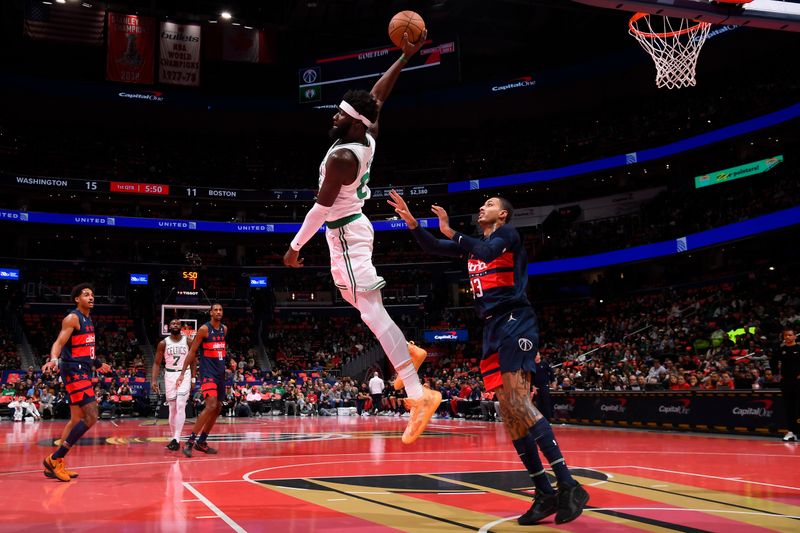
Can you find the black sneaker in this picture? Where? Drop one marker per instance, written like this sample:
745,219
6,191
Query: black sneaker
571,501
205,448
187,449
173,446
543,506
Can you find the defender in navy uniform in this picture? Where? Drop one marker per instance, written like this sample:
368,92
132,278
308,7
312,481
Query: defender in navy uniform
497,265
209,345
75,348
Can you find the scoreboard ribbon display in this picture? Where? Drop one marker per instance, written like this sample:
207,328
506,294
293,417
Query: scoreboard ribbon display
50,184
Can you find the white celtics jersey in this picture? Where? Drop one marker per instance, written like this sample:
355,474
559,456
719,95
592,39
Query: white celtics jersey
351,197
175,353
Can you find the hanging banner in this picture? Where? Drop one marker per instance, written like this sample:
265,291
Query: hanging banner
66,23
226,42
130,57
179,62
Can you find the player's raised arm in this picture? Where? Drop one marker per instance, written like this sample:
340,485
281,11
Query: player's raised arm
157,365
383,87
487,250
426,241
69,324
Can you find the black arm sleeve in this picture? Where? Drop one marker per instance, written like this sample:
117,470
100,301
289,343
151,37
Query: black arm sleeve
432,245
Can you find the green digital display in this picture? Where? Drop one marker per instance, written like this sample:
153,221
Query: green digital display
734,173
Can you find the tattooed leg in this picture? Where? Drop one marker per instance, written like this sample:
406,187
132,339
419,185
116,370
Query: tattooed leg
519,414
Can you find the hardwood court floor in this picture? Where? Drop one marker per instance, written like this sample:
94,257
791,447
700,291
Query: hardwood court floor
353,474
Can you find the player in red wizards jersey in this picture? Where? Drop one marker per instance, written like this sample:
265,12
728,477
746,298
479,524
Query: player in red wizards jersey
210,347
75,349
498,274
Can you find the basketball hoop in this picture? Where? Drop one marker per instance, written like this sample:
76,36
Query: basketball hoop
673,43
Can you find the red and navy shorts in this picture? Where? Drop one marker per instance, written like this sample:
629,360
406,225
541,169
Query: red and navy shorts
77,378
510,343
212,386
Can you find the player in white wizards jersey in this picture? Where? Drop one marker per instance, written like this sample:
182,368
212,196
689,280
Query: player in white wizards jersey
173,350
343,187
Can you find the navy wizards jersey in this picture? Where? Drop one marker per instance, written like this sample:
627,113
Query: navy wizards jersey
497,265
498,283
80,347
212,352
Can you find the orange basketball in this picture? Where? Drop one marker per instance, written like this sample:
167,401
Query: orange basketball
405,22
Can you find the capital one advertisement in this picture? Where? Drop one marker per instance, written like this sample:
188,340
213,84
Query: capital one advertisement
131,43
744,410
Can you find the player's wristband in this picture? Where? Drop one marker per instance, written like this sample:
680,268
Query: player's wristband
403,58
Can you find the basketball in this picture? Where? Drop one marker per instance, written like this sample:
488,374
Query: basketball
405,22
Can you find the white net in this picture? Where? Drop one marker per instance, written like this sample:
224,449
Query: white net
673,43
191,317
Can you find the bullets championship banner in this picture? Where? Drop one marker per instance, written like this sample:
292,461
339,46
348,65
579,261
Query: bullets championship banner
179,58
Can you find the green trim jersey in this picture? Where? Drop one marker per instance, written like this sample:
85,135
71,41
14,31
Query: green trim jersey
351,197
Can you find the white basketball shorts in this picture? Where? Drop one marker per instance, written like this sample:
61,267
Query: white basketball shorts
351,256
169,383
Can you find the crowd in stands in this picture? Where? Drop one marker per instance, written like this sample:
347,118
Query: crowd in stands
43,395
712,336
114,336
673,213
9,358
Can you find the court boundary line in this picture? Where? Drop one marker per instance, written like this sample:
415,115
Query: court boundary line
213,508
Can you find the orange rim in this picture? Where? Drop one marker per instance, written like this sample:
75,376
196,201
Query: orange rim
664,35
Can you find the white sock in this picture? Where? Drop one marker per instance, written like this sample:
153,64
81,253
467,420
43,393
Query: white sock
180,417
171,416
394,344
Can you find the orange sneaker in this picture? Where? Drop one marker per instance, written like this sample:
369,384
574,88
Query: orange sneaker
418,356
421,412
55,468
70,473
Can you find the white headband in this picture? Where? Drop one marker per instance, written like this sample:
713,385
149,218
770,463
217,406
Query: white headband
350,110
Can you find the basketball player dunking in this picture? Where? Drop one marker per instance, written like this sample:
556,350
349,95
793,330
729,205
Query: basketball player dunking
173,351
75,347
498,272
209,345
343,179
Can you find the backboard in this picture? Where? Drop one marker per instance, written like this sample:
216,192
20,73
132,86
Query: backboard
767,14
